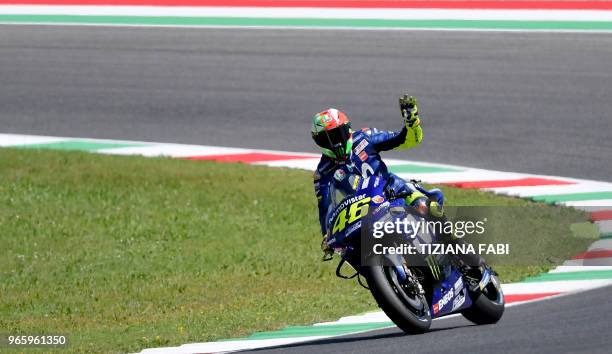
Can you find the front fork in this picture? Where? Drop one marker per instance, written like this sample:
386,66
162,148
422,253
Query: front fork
405,275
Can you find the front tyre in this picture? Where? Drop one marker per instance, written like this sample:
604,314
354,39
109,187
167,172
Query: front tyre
410,312
488,306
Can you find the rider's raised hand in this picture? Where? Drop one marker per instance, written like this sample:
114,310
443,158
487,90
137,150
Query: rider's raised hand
410,110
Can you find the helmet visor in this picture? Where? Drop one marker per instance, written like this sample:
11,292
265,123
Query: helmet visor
334,139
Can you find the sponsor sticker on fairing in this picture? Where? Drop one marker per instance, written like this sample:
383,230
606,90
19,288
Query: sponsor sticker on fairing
380,207
459,300
378,199
352,228
445,299
346,203
458,285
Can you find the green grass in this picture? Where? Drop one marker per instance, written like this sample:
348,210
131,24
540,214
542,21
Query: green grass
123,253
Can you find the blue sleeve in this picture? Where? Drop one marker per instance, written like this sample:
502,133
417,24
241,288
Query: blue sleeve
408,137
387,140
322,187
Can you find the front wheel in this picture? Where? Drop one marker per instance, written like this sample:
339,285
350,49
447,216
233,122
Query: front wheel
408,310
488,306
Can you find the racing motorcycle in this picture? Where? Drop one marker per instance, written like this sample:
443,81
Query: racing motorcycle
411,290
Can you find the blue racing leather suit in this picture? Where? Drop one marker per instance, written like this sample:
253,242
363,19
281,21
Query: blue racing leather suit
364,161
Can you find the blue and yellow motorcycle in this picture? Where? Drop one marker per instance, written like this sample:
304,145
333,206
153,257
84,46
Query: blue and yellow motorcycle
411,289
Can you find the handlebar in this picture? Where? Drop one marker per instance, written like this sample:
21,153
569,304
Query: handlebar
391,195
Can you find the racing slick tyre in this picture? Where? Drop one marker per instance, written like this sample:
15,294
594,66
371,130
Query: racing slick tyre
488,305
409,312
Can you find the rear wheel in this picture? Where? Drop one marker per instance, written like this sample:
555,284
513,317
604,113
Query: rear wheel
488,306
406,308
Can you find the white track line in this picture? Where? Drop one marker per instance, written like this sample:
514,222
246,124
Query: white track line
572,269
317,13
174,150
553,189
561,286
604,226
225,346
589,262
605,203
303,164
13,139
468,175
604,244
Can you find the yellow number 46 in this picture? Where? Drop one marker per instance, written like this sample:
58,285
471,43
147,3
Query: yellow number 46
356,211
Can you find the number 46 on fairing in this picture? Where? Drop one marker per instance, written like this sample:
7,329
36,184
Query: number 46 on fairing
355,212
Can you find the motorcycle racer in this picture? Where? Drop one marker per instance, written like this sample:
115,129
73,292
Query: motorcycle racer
349,155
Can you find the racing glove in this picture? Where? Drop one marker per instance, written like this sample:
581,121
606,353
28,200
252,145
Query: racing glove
328,252
410,110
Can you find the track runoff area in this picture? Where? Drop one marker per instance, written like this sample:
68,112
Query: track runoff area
512,15
585,271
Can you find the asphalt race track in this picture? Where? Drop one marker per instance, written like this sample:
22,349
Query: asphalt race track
522,102
569,324
525,102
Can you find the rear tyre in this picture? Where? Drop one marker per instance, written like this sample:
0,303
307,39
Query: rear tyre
488,306
410,312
